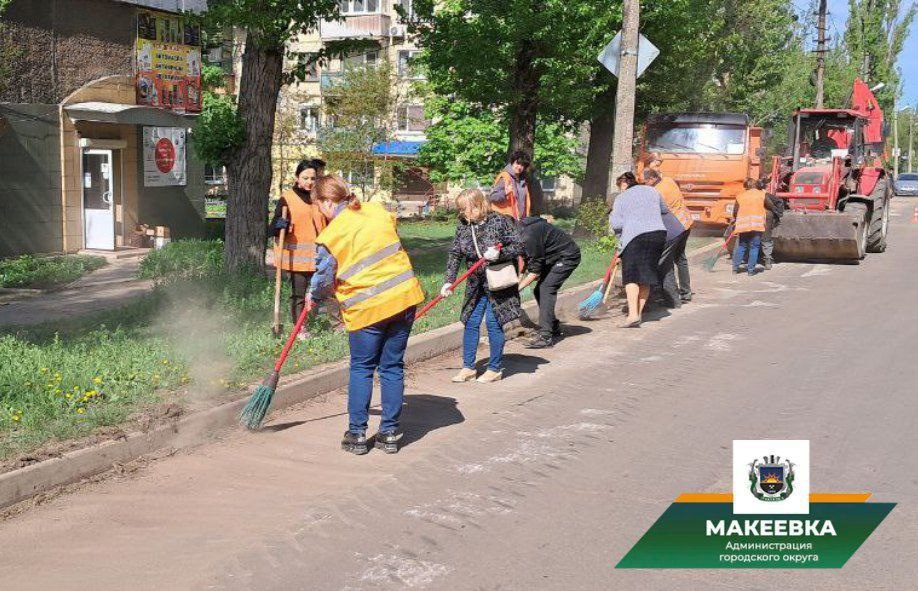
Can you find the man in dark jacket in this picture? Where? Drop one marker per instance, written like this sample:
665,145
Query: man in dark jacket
551,257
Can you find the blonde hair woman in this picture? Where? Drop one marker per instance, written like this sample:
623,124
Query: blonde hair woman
362,262
478,231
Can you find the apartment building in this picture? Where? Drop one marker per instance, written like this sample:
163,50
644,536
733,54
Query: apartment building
302,108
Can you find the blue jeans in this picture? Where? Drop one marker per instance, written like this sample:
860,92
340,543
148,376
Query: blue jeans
378,347
482,310
747,241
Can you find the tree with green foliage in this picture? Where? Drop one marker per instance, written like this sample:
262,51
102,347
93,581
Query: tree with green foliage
361,106
497,56
467,145
875,35
269,26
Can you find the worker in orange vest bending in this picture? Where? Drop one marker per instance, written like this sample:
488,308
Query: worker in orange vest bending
674,253
510,194
749,210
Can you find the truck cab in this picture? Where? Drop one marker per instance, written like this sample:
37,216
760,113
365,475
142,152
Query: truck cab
708,154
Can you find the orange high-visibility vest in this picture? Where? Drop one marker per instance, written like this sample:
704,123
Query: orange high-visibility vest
510,205
750,214
375,280
672,196
306,221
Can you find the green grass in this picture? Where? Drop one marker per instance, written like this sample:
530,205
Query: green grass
198,339
46,272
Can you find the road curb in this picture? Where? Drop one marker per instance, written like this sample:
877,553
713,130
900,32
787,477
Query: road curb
197,428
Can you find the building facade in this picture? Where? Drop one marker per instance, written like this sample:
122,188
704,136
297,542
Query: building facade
95,142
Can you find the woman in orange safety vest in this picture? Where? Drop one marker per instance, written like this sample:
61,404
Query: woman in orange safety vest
749,225
303,223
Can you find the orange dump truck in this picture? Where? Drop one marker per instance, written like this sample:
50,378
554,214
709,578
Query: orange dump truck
708,154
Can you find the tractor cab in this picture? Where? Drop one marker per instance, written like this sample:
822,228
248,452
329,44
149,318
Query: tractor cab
822,136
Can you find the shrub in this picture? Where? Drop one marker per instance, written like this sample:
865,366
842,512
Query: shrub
46,272
184,259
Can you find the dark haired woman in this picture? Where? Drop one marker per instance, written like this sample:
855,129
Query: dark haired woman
303,223
637,218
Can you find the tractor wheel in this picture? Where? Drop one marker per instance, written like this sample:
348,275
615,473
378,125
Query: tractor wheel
859,210
879,218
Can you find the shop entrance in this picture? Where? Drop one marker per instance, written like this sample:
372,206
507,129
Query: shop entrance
98,199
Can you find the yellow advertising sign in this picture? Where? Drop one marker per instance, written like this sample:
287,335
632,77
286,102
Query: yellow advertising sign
168,58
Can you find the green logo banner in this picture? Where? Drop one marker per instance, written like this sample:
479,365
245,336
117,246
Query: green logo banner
709,535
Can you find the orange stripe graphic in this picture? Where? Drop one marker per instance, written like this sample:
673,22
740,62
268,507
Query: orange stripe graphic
814,497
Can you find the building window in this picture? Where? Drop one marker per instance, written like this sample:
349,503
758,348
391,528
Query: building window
410,118
549,185
369,59
309,118
358,6
214,175
407,7
405,69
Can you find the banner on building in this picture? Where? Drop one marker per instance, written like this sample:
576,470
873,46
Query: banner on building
168,62
164,157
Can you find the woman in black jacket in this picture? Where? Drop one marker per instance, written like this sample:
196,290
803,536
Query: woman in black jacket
478,232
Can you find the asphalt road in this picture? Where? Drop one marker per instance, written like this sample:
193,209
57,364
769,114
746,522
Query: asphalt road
544,480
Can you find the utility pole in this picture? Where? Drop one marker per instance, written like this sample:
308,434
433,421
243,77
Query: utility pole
911,121
895,137
622,145
821,53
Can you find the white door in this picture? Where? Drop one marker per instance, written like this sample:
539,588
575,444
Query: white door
98,201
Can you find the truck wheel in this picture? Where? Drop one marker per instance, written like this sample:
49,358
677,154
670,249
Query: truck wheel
879,217
859,210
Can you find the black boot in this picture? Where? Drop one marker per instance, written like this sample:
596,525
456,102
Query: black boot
388,442
356,443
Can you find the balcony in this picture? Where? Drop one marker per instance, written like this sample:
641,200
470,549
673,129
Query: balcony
364,26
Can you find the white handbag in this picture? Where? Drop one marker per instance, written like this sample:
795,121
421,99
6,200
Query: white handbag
499,275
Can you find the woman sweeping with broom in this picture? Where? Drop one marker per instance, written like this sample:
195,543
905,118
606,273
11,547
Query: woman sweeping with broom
361,261
478,233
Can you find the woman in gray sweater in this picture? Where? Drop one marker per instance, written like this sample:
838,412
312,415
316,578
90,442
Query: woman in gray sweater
637,218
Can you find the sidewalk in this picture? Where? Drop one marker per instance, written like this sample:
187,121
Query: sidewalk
112,286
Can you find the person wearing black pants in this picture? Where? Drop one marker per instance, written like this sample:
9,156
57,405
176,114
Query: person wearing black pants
551,257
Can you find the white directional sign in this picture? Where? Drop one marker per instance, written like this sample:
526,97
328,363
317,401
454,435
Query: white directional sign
609,57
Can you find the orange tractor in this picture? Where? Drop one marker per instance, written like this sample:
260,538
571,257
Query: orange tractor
834,184
709,155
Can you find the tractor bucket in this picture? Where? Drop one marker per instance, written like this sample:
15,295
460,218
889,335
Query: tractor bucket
822,235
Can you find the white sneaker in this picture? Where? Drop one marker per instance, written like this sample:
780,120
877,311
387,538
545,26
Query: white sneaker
491,376
465,375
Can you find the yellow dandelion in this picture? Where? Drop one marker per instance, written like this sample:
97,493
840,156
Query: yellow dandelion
69,395
16,418
44,370
165,362
97,380
81,411
90,392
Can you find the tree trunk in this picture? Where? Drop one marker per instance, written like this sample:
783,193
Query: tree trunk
599,152
249,169
526,82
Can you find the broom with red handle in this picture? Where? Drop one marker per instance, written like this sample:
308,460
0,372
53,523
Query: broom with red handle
480,263
253,415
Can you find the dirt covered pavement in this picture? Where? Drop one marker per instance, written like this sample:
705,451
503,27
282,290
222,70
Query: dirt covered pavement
544,480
